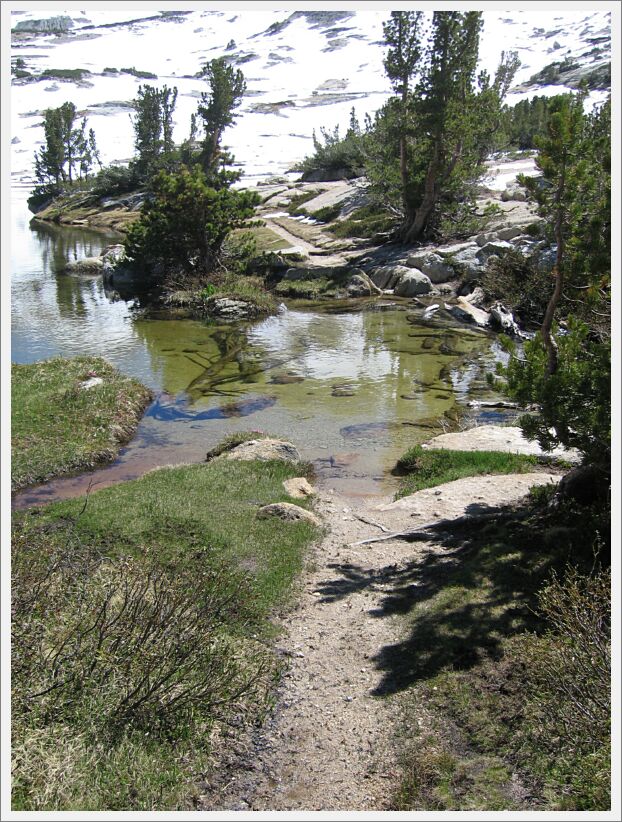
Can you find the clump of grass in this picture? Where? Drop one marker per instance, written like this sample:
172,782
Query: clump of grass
141,625
249,289
306,289
425,468
293,206
365,222
59,426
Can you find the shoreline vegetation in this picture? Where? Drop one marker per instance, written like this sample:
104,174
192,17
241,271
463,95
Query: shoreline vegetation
69,416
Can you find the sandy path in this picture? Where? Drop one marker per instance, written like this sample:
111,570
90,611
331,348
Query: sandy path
328,745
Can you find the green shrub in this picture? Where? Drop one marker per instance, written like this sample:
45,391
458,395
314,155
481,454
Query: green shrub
115,180
333,152
132,645
328,213
518,282
143,75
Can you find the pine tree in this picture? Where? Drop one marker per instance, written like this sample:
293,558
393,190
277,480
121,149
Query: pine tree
566,373
67,148
153,127
216,109
441,124
403,35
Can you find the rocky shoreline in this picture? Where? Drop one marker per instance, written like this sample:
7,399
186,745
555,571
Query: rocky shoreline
442,279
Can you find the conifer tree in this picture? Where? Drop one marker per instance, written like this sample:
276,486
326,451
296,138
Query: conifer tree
441,122
216,109
153,127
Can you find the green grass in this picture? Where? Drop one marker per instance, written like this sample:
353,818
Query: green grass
293,206
485,720
247,288
365,222
192,531
425,468
57,427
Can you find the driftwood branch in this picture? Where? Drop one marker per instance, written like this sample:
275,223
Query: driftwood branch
371,522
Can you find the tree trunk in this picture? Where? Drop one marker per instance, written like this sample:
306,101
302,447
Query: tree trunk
558,272
414,225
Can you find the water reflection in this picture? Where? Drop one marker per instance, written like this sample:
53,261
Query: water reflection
352,388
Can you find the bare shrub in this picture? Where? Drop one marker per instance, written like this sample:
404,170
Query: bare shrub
575,670
128,644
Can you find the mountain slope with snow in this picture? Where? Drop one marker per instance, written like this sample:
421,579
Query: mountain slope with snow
304,70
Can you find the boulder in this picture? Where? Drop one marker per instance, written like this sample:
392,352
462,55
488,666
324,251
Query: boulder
495,438
467,262
298,487
412,282
584,484
432,265
226,309
496,247
288,512
513,191
328,175
454,248
386,276
465,312
264,450
360,285
87,265
509,233
476,297
112,257
488,237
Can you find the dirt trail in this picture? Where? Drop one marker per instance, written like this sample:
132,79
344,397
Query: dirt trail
329,744
317,255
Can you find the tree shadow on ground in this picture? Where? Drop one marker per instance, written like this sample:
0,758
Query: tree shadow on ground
469,586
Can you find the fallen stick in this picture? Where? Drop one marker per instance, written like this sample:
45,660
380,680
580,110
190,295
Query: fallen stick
371,522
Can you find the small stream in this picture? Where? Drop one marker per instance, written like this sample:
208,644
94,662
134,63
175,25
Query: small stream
352,384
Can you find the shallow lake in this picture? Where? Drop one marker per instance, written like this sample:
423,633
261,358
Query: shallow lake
353,385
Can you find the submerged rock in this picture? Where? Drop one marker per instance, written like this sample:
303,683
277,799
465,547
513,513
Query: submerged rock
88,265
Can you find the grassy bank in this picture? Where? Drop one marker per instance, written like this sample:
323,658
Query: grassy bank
503,669
425,467
141,633
58,426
